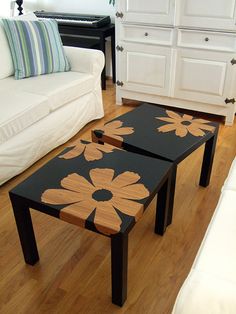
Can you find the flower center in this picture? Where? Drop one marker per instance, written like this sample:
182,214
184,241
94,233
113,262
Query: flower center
186,123
102,195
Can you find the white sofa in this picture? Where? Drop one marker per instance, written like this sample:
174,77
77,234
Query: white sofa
40,113
210,287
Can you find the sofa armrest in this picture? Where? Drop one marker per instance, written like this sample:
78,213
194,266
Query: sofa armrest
85,60
203,293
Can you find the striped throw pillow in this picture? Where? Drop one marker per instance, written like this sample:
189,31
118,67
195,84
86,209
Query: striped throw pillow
36,47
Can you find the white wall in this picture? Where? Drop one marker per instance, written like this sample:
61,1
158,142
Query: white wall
5,8
75,6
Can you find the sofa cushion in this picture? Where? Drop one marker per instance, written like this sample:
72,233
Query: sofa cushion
6,64
19,110
217,254
59,88
36,47
230,182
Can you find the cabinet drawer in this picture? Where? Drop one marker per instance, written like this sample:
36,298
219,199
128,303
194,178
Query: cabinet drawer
146,34
207,40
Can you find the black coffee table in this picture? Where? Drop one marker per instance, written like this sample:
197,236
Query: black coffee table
151,130
97,187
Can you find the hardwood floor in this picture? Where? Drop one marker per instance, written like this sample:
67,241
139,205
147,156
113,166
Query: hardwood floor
73,275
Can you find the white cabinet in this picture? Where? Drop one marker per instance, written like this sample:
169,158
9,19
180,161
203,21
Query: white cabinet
149,12
214,14
172,53
203,77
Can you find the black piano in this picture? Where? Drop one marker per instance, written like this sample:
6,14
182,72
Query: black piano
82,20
86,31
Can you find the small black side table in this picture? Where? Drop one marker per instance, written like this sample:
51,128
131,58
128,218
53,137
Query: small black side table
163,134
100,188
85,37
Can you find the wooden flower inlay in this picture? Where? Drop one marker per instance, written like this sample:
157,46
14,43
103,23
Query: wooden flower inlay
115,129
91,151
105,194
182,125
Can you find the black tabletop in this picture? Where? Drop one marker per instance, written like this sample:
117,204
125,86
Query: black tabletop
154,131
99,187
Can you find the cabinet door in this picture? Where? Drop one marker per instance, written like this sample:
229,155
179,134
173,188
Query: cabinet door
203,76
145,69
215,14
159,12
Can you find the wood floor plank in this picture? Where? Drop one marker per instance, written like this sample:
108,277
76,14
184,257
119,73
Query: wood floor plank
73,275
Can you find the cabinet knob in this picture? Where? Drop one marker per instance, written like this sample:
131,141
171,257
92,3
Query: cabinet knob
146,34
119,83
207,39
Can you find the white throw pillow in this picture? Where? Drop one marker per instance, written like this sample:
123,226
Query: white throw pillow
6,64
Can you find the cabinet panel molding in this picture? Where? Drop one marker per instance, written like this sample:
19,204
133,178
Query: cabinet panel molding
214,14
146,68
149,12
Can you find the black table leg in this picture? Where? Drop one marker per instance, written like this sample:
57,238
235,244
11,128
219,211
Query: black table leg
207,162
172,194
113,57
103,49
162,209
119,263
25,230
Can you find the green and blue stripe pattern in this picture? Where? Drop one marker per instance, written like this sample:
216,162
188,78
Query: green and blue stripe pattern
36,47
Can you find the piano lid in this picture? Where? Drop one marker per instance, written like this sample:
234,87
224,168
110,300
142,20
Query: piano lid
82,20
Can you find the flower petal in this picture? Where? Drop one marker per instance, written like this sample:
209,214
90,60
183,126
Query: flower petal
77,183
187,117
181,131
124,131
74,152
78,213
106,148
92,153
125,178
210,128
166,119
106,220
134,192
101,178
195,131
113,125
201,121
128,207
61,197
173,115
167,128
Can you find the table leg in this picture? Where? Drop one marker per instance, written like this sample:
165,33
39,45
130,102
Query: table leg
207,162
25,230
172,194
162,209
113,57
119,263
95,139
103,49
